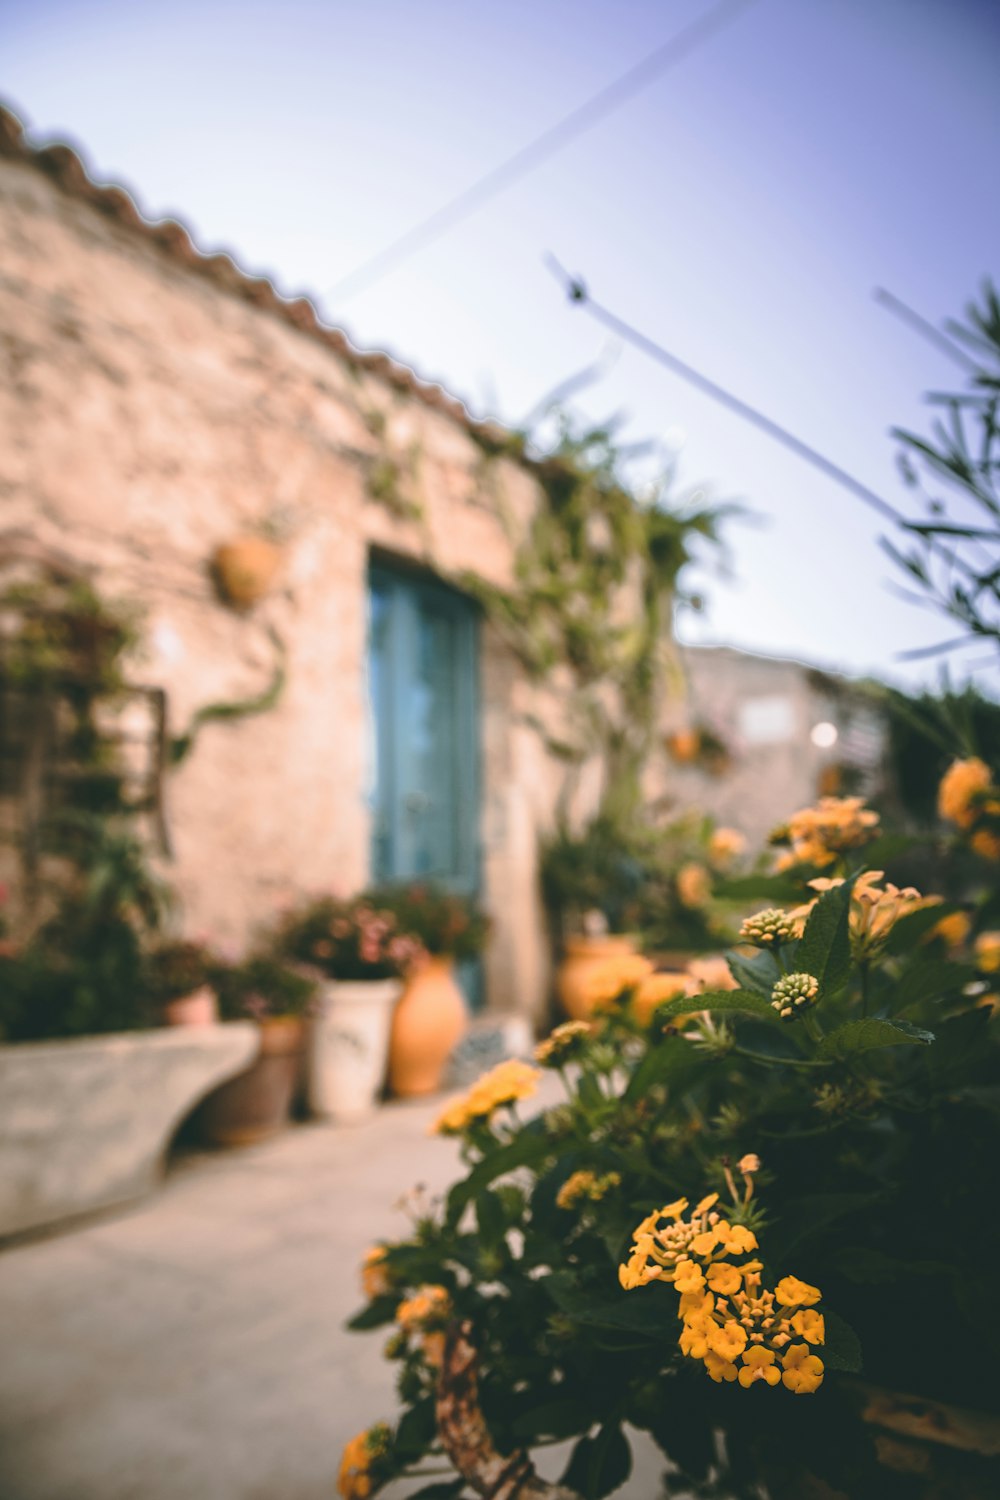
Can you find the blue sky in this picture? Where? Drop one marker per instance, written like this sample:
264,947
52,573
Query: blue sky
740,210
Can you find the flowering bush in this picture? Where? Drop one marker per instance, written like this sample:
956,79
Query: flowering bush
830,1111
263,987
356,938
442,921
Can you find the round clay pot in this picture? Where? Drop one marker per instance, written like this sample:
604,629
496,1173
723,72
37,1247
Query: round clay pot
256,1105
245,569
348,1046
428,1022
583,956
200,1008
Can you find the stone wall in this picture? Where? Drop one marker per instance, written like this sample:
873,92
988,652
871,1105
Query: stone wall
148,414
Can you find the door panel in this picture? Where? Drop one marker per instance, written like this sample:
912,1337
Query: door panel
423,732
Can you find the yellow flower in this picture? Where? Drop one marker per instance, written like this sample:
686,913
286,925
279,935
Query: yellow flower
803,1372
810,1325
693,885
614,976
986,844
374,1273
987,950
729,1341
749,1163
791,1292
724,1278
684,745
668,1247
562,1044
585,1185
952,930
874,910
961,795
816,835
725,846
720,1369
654,991
431,1304
365,1450
507,1082
758,1364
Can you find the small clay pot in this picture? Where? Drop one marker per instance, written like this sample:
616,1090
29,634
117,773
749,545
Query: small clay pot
428,1021
256,1105
200,1008
245,569
585,955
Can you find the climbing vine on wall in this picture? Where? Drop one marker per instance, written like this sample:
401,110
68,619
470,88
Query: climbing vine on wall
596,582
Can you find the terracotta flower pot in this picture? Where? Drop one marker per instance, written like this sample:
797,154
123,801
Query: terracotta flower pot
245,569
256,1104
200,1008
348,1046
428,1022
584,955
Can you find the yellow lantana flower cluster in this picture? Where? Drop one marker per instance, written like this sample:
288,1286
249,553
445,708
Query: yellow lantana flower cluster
563,1044
694,885
504,1084
610,978
725,847
738,1330
987,951
375,1280
363,1455
816,835
425,1314
742,1332
875,910
668,1247
587,1185
966,795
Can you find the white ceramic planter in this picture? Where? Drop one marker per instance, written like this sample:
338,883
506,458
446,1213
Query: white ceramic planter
84,1123
349,1047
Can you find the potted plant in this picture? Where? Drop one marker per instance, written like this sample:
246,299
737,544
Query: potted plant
180,979
276,995
431,1015
360,949
731,1213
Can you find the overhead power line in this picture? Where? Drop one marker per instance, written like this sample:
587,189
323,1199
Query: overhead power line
688,40
577,292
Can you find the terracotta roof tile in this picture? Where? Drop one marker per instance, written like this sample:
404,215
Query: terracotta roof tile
65,166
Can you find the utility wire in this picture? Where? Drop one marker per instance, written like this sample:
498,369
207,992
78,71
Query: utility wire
525,160
577,292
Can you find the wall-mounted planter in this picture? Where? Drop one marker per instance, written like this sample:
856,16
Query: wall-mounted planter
85,1123
245,569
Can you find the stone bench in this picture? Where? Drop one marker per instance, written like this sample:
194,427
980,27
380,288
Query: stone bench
85,1123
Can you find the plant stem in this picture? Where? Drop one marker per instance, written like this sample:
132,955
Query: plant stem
790,1062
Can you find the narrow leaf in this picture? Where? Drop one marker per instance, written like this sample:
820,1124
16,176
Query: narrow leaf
720,1001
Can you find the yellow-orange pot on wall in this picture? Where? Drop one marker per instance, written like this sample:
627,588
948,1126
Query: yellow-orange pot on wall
245,568
428,1021
584,956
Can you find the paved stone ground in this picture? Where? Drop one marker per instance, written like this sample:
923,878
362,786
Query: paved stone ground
194,1346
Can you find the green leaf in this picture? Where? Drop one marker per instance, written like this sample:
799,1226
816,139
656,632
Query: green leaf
825,948
553,1419
647,1310
802,1218
930,979
491,1219
774,888
529,1147
842,1350
759,973
599,1464
416,1431
862,1036
375,1314
722,1001
673,1062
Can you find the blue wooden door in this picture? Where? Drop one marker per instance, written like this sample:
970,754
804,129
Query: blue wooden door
422,659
